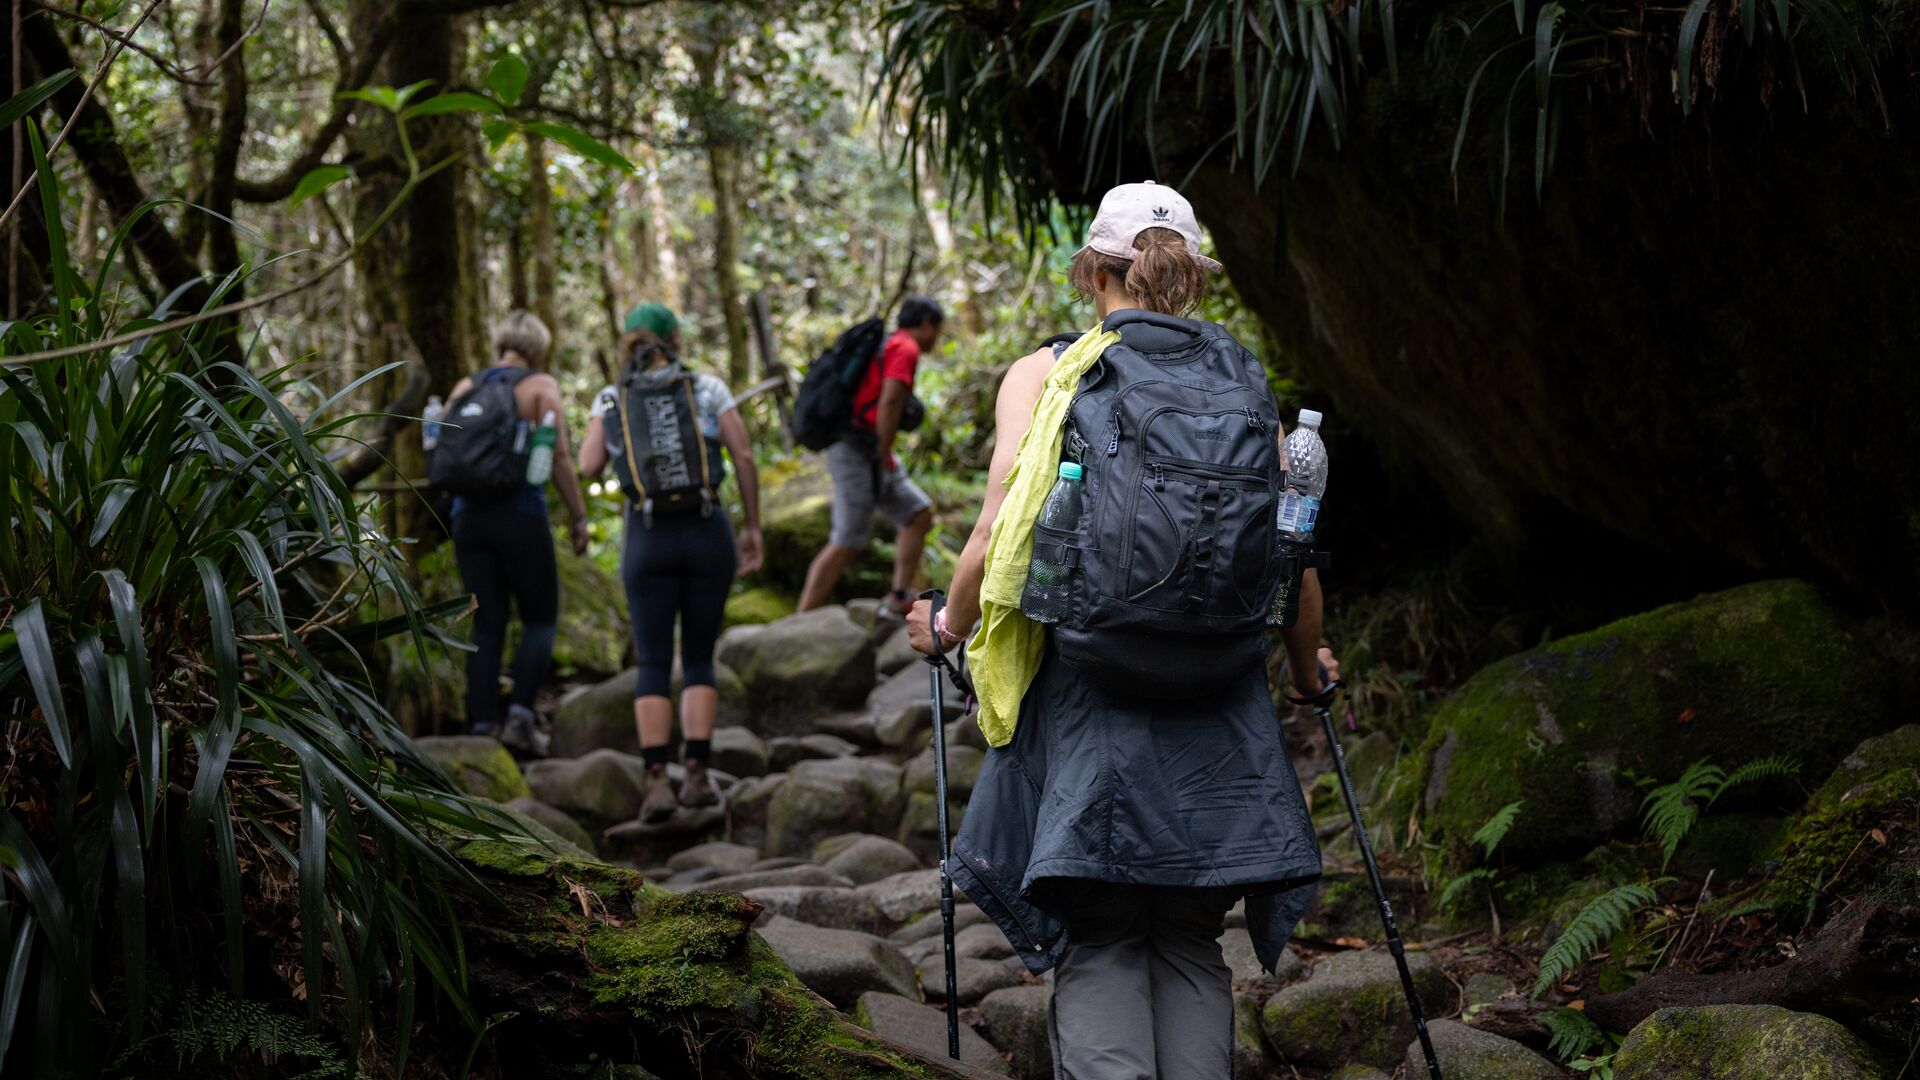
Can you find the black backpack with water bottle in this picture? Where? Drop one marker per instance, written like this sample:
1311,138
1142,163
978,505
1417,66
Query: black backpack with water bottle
1172,569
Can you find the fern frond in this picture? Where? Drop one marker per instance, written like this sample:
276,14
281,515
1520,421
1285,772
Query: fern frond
1603,917
1497,827
1669,811
1758,769
1457,888
1573,1033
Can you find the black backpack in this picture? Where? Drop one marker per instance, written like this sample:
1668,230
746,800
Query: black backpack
483,448
823,410
666,465
1176,560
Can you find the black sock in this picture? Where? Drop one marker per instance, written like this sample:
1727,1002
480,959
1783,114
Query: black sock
697,750
654,756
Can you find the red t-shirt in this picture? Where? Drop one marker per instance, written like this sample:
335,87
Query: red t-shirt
898,359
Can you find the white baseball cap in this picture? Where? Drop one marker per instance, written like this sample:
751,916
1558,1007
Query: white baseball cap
1127,210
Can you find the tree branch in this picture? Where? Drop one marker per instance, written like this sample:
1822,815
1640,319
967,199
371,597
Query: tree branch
276,188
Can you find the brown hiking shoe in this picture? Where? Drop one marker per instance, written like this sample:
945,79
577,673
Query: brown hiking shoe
659,803
697,788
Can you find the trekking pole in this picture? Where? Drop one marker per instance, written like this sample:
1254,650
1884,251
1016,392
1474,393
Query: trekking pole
935,664
1321,704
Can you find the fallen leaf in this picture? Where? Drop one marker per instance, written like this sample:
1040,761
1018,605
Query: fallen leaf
1578,1004
1351,942
1686,715
1879,836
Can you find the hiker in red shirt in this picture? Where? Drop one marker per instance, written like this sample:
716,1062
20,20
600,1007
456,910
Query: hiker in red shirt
867,476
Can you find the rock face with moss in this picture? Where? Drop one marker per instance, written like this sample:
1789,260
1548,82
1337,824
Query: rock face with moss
1352,1009
589,965
796,500
1876,787
478,765
800,668
1724,1042
593,634
1567,727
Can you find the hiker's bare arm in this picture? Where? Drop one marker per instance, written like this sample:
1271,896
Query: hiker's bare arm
1013,412
733,432
1305,657
593,448
886,418
545,391
460,387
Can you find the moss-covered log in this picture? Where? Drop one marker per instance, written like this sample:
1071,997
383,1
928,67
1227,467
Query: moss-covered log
583,962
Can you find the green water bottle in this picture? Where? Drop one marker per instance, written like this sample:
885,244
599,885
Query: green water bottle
540,458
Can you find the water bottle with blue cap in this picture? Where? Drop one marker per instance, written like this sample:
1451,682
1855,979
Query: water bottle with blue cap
1049,571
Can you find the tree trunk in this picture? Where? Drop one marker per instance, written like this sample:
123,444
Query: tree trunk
723,172
933,205
667,285
540,228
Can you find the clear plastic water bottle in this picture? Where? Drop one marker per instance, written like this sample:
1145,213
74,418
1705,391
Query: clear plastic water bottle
430,418
1045,597
1305,458
540,459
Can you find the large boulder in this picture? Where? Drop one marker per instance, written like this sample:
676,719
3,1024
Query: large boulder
902,707
1822,859
920,824
1466,1051
1016,1021
973,978
1727,677
478,765
1251,1057
802,874
834,907
603,787
752,607
554,821
748,804
867,858
799,668
1352,1009
840,965
593,634
600,716
822,798
796,516
1724,1042
718,855
923,1028
739,751
963,770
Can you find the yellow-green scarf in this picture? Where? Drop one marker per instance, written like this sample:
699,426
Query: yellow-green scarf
1005,655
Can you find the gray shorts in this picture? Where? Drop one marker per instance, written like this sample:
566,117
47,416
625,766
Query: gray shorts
854,470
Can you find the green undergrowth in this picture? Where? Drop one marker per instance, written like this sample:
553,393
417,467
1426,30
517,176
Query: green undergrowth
1841,845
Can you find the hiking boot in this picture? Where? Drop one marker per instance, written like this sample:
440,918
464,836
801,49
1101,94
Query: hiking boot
659,804
896,604
522,733
697,788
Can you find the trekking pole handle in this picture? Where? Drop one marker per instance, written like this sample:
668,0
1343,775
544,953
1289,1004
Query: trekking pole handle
1329,689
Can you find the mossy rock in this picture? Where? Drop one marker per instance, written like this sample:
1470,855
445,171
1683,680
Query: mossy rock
555,827
594,634
752,607
582,962
796,517
1876,786
478,765
1725,1042
1351,1009
1726,677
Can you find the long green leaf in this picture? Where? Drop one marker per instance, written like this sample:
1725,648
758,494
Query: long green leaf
583,144
216,741
149,761
1689,44
508,79
36,651
29,98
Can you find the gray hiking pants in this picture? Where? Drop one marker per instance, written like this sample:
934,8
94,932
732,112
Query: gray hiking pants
1142,992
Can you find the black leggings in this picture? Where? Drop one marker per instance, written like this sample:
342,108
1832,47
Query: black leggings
681,567
506,555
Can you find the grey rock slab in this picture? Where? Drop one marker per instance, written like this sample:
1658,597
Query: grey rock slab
1015,1020
554,820
1466,1051
1486,987
807,874
777,862
840,965
739,751
984,942
636,841
902,708
786,751
871,858
895,653
923,1028
685,880
928,926
963,771
721,856
1236,947
974,978
837,908
603,786
748,804
904,896
856,727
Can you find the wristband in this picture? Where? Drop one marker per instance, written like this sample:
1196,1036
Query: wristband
940,627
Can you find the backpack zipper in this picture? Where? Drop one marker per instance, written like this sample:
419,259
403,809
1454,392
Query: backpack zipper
1113,446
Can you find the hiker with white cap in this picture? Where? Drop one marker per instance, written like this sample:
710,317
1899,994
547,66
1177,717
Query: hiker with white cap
1138,785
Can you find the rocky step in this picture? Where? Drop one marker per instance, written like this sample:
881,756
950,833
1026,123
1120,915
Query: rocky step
925,1029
